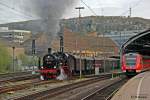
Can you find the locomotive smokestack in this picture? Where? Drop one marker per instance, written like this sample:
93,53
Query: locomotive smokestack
49,50
61,44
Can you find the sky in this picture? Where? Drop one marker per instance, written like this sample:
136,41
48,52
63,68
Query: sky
140,8
11,10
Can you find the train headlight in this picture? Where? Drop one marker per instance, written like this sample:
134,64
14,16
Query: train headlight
54,66
42,67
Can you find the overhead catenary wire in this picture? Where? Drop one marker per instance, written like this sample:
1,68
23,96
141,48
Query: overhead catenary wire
20,13
89,8
132,7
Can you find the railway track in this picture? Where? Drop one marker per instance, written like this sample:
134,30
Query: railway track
25,85
49,93
4,75
8,81
6,89
32,83
106,92
13,77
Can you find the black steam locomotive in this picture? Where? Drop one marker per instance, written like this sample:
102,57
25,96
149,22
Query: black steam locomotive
71,65
52,64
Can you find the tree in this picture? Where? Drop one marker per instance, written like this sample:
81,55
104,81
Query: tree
5,59
24,59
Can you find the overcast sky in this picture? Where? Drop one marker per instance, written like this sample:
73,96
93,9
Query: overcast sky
140,8
11,10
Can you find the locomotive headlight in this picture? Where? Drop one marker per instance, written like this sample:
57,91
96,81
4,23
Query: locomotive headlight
42,67
54,66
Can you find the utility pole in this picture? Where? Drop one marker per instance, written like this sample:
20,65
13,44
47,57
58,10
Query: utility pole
61,36
76,45
113,65
79,29
130,12
79,21
13,52
33,53
102,10
13,48
80,65
104,53
120,39
61,44
79,8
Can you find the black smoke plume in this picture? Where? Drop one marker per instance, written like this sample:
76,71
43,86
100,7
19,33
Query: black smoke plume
49,13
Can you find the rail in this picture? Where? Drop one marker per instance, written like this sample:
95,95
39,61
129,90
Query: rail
55,91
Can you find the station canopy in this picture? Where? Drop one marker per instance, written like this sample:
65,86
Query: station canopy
139,43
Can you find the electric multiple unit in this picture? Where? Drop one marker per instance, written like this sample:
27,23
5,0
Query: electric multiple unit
133,63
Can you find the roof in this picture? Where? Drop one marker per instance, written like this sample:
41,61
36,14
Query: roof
14,31
139,43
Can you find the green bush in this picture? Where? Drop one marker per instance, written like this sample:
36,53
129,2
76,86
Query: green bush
5,60
28,60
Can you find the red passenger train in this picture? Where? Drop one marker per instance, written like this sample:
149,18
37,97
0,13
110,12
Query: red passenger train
133,63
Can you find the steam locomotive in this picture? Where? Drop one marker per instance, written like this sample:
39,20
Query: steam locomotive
59,64
52,65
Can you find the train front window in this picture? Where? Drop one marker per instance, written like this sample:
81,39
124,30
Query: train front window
130,61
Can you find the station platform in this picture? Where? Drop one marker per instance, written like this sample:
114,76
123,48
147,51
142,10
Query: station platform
137,88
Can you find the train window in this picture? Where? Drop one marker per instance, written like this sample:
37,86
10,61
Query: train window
130,61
